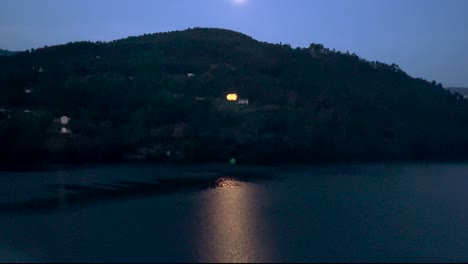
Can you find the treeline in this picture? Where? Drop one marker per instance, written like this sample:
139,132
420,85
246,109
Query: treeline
7,52
133,99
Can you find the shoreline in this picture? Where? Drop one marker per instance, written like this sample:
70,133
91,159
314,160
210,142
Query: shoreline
51,167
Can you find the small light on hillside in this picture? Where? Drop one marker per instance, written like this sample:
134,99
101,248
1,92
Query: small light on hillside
231,97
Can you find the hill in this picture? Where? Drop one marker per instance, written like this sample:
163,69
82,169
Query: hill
162,97
7,52
461,90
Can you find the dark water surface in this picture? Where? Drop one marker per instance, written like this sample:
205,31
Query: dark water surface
216,213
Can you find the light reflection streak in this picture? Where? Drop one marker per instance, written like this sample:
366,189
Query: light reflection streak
230,226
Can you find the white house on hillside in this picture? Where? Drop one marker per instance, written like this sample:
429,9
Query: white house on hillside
243,101
64,120
65,130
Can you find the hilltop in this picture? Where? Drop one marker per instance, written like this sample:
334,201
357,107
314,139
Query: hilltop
162,97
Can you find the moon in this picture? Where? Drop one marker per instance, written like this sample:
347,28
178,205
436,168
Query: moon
239,2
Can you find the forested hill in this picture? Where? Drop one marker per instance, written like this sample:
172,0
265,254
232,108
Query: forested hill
461,90
162,97
7,52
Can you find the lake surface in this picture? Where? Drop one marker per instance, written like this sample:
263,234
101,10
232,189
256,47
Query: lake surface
217,213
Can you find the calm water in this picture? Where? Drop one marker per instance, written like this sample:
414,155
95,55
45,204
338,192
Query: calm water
211,213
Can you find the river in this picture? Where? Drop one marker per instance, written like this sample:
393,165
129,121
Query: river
220,213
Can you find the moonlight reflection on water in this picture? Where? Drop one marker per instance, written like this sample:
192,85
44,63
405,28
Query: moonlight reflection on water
355,213
229,220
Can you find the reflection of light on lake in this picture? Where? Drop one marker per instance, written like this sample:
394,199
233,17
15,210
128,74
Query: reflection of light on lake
230,227
226,182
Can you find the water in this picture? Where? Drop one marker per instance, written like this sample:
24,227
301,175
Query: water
217,213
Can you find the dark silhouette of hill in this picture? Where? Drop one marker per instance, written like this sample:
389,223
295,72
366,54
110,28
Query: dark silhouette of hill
133,99
7,52
460,90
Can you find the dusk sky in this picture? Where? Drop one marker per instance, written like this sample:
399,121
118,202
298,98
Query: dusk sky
427,38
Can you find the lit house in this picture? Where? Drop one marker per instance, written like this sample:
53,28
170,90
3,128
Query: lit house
231,97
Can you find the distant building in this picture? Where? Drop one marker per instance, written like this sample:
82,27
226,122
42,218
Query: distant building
27,111
98,57
190,75
41,69
243,101
231,97
28,91
64,120
65,130
130,78
199,98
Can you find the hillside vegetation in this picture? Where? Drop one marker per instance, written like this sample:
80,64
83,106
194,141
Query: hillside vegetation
459,90
7,52
133,99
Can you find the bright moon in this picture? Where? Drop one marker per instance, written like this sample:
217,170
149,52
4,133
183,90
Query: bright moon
239,2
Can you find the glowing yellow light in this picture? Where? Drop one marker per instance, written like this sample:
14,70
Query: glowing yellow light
231,97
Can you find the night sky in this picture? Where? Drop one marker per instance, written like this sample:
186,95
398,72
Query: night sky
427,38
